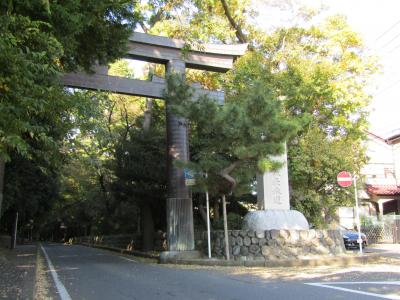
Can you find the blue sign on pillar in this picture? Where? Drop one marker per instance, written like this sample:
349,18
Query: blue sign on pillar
189,177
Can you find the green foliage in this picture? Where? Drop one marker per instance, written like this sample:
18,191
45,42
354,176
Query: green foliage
31,188
319,72
193,21
140,160
87,204
314,163
140,168
234,221
38,41
230,141
89,31
27,83
115,166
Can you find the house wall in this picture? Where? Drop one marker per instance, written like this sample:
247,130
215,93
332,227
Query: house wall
396,157
380,169
383,169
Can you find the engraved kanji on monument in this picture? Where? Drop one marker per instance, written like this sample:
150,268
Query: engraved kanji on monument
274,203
273,187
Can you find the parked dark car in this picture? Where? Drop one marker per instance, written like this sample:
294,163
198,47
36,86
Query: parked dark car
350,238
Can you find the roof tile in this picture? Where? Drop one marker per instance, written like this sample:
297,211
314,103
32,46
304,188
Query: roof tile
383,190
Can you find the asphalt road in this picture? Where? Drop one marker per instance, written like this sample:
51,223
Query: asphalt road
79,272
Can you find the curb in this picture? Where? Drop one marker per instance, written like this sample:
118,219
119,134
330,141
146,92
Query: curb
339,261
122,251
315,262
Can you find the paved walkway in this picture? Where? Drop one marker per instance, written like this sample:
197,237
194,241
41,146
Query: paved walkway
384,248
17,272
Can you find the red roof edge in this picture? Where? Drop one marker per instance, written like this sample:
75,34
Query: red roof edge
393,139
383,190
376,136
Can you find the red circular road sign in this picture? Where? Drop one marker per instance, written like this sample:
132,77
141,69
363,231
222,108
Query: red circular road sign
344,179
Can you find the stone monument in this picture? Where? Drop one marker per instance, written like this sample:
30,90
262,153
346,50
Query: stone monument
273,202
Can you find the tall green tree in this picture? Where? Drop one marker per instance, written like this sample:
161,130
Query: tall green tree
39,40
140,168
315,162
321,73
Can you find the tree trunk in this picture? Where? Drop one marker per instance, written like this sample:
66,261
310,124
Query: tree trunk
146,217
216,211
109,209
147,115
2,170
235,25
14,232
225,227
105,193
203,214
146,214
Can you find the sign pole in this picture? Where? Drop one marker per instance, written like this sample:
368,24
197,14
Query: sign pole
344,179
208,223
357,214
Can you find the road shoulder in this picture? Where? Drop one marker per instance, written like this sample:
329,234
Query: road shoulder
18,272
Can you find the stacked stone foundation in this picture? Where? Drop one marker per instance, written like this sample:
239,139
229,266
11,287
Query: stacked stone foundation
274,244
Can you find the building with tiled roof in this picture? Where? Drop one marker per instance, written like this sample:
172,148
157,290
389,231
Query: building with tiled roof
381,195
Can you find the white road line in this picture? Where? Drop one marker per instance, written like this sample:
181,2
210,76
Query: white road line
128,259
62,291
362,282
329,286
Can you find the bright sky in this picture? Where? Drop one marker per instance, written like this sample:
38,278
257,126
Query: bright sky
378,21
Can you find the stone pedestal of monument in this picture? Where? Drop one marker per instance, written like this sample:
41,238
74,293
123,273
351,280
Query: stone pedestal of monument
273,203
262,220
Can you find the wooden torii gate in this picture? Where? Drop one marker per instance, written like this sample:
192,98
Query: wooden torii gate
166,51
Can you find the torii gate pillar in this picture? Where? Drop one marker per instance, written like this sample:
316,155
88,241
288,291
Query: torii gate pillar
180,233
